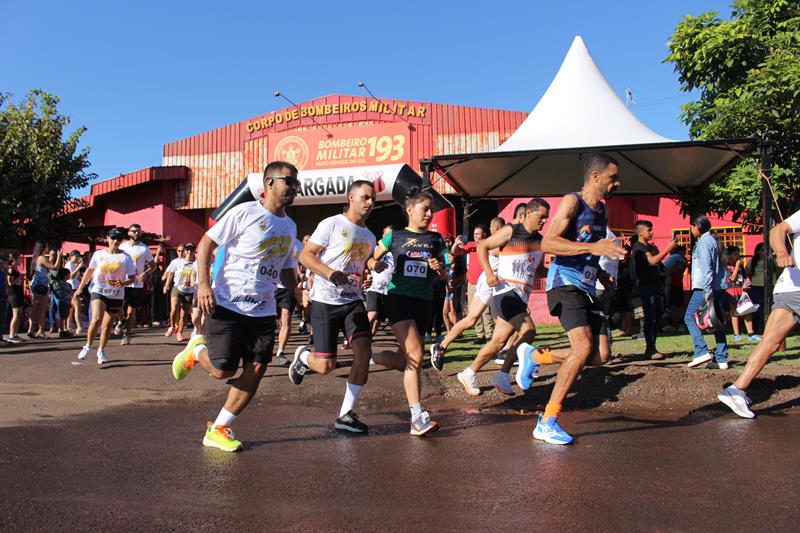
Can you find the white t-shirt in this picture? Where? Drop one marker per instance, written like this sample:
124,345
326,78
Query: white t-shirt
141,255
183,276
107,267
258,246
76,281
346,247
380,280
296,249
173,265
790,277
606,263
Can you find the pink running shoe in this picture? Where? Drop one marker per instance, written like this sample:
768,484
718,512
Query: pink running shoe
169,331
180,337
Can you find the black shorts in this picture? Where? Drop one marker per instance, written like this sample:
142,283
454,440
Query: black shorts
328,320
231,337
16,298
376,303
112,305
508,305
400,307
284,299
184,298
574,309
133,296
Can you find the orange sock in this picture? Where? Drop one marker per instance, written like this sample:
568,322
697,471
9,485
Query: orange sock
543,356
551,410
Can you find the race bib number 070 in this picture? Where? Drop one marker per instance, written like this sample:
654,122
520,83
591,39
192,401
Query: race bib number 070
416,269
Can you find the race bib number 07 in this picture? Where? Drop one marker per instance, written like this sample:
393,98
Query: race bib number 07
589,274
416,269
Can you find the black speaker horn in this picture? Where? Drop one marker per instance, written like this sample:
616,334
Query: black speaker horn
251,188
406,179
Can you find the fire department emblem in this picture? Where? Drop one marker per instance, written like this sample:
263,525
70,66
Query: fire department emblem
292,149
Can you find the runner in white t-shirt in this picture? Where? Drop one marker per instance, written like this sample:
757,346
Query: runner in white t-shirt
378,289
134,295
166,280
258,238
74,266
337,253
182,275
784,317
110,271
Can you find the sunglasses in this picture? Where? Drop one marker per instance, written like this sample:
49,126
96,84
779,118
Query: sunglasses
291,181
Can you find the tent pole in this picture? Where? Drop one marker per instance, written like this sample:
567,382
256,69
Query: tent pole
765,150
465,219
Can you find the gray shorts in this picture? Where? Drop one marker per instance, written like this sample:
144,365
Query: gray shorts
789,301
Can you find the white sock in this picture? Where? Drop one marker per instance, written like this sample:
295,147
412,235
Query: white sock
469,372
350,398
197,349
224,418
416,410
279,352
304,357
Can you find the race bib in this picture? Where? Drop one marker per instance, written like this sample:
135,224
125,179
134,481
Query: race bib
416,269
589,274
268,272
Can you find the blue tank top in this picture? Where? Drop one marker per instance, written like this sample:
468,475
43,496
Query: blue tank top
580,270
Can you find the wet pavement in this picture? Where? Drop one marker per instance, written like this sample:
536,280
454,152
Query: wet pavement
141,467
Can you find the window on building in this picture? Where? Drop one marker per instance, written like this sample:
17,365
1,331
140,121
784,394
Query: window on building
728,235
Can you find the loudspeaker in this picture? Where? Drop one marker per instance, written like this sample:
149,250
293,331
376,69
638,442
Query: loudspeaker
407,179
248,190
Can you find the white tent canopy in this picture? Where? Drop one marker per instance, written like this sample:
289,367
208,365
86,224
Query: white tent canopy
581,113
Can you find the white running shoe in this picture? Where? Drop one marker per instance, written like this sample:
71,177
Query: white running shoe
469,382
700,359
101,357
126,340
118,329
737,400
84,352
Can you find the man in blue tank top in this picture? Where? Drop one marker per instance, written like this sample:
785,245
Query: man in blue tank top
577,238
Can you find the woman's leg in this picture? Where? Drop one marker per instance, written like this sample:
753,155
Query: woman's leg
98,312
16,317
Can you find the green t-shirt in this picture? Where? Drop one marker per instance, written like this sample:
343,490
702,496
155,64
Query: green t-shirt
411,251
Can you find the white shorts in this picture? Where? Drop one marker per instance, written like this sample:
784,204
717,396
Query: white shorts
482,290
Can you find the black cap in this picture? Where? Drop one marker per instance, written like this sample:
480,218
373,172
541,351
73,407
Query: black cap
117,233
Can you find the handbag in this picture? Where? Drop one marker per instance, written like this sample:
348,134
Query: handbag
745,306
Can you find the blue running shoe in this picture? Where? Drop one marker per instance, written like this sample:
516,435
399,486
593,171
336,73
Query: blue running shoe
550,432
527,366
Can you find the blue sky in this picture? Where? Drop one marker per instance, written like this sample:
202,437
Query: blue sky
141,74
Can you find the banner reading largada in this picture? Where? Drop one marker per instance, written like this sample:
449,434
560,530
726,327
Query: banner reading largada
376,144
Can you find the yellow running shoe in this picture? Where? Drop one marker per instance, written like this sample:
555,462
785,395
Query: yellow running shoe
221,437
185,360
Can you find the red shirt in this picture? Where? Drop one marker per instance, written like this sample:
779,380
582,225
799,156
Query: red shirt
474,269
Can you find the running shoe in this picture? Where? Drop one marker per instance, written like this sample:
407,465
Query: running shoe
84,352
301,328
500,358
550,432
437,356
281,359
350,422
126,340
737,337
503,384
13,340
469,382
423,424
169,332
221,437
699,360
737,400
185,360
714,365
101,357
118,329
298,368
179,337
527,365
754,338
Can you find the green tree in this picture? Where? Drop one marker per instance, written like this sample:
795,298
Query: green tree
746,74
39,169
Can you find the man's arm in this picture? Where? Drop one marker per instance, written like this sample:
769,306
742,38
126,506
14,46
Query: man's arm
309,257
495,240
555,243
205,296
655,259
777,240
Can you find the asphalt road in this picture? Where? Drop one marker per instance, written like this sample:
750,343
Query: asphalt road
118,449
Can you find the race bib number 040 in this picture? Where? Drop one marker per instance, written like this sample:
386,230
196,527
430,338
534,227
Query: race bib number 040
416,269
